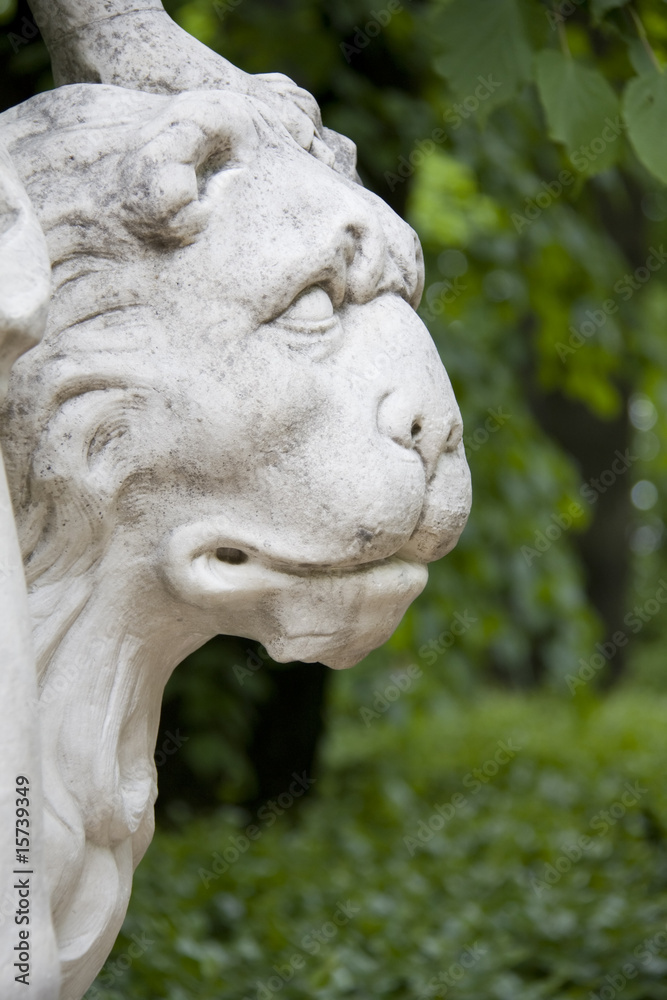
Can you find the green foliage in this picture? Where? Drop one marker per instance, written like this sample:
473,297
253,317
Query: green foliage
484,40
7,10
526,236
213,696
537,232
600,7
645,110
517,261
578,103
493,881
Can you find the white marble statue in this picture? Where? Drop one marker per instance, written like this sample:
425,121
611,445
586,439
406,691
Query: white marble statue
203,441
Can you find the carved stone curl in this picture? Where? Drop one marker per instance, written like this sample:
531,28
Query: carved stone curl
235,422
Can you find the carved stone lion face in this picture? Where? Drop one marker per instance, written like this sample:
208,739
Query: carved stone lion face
235,423
233,344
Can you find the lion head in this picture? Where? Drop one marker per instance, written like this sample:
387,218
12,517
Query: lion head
205,441
207,399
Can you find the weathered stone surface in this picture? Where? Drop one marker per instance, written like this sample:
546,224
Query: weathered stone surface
24,296
235,422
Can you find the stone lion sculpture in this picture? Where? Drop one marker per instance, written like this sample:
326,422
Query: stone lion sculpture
201,443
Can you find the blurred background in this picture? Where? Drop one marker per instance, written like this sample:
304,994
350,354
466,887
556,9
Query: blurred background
478,810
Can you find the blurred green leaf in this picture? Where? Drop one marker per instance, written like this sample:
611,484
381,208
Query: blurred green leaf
581,109
486,45
601,7
644,110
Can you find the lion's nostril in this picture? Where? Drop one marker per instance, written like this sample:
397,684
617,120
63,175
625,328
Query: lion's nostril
454,436
416,430
233,556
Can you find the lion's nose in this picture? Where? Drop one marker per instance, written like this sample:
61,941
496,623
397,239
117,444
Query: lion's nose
412,426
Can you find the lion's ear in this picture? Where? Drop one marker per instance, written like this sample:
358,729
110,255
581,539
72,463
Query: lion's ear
166,180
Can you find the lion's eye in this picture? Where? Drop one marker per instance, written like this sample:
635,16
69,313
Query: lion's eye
312,307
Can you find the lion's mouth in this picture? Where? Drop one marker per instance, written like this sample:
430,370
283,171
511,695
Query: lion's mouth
337,616
310,635
315,613
310,611
281,563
